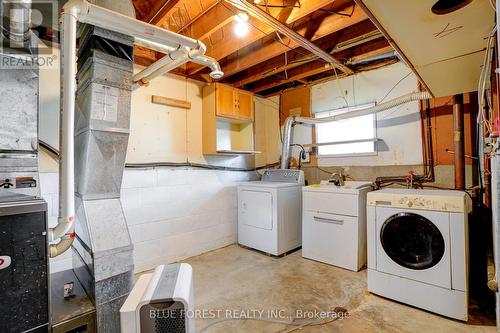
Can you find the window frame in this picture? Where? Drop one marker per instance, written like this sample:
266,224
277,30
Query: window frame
350,109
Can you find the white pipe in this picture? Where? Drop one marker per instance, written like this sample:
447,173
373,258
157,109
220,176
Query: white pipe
66,166
161,63
110,20
291,121
165,69
174,60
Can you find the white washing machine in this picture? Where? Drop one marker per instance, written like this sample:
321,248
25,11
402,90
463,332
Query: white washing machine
418,248
270,212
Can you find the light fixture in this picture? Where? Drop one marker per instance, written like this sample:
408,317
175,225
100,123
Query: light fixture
442,7
241,27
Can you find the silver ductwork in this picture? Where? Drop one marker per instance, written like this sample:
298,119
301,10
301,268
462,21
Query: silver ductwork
102,250
16,20
286,149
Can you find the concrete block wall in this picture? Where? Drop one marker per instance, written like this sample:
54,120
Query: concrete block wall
172,213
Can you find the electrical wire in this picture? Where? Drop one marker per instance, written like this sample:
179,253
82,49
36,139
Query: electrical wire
339,13
394,87
485,74
262,31
55,154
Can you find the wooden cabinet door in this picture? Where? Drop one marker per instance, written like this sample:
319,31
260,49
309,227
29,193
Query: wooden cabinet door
245,105
225,100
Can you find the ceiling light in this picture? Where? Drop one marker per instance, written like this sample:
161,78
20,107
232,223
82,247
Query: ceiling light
241,27
443,7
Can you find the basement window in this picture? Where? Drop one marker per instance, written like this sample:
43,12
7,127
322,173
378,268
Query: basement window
347,137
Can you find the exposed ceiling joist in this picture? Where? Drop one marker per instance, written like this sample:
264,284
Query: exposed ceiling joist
260,29
254,55
208,21
160,10
305,43
373,48
360,33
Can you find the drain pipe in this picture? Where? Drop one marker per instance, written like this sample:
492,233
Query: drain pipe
144,34
458,141
291,121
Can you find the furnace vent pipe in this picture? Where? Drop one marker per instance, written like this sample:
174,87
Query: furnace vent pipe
286,149
19,14
66,218
145,34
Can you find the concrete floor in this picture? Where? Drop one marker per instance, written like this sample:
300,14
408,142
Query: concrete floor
239,280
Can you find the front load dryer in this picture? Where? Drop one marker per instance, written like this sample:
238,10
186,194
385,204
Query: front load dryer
418,248
270,212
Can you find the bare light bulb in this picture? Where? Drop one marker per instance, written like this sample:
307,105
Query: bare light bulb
241,27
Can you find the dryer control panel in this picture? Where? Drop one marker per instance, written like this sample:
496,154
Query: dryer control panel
283,176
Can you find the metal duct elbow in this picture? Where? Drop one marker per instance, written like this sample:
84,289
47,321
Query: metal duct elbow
216,71
18,17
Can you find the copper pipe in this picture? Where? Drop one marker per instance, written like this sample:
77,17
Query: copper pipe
458,141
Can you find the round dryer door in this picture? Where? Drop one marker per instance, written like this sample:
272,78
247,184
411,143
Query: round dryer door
412,241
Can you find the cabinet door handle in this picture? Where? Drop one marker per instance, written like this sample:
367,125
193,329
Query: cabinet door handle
328,220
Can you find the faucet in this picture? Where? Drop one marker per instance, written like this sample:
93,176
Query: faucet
337,178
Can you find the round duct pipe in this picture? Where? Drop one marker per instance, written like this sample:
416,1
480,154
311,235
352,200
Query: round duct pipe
443,7
16,20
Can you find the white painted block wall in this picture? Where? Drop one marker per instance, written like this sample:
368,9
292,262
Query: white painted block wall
172,213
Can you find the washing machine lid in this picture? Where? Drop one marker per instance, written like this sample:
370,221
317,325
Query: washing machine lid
432,200
268,184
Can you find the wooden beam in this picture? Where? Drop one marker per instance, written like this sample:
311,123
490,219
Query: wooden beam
358,34
208,22
281,28
260,29
378,47
255,55
160,9
170,102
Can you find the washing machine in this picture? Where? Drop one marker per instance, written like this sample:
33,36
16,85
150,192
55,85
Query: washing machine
418,248
270,212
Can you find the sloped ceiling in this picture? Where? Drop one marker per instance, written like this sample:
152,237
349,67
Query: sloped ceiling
446,50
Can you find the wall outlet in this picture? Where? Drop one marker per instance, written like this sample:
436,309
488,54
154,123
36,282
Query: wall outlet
306,157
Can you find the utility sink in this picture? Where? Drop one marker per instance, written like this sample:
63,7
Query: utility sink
348,185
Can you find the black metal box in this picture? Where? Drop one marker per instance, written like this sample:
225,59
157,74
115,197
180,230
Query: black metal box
24,285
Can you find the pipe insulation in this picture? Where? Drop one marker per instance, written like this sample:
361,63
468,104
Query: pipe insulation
291,121
144,34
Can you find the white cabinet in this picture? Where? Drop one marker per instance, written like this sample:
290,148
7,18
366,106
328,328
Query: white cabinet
334,224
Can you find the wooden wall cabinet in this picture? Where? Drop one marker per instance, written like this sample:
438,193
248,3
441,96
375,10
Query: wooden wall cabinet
228,115
232,103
